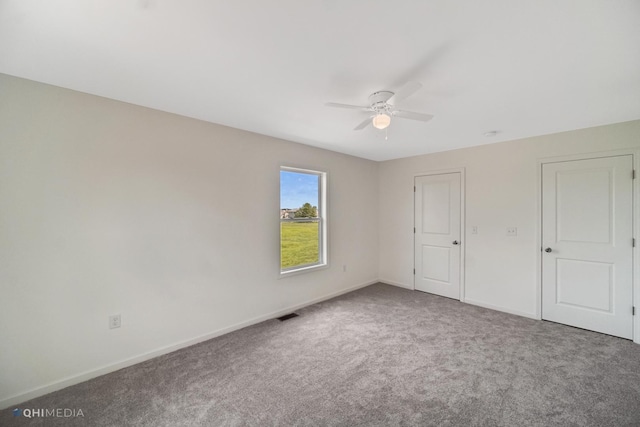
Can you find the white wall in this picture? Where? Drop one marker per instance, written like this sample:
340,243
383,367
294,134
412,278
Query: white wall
107,207
501,191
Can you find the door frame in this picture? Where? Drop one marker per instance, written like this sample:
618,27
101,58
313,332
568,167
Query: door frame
463,236
635,156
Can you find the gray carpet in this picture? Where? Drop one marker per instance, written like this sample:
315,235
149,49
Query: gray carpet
378,356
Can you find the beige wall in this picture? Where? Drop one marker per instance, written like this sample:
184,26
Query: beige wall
107,207
501,191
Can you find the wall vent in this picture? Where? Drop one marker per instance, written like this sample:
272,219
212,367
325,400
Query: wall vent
287,316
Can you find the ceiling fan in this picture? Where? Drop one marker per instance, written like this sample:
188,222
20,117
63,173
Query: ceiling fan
382,107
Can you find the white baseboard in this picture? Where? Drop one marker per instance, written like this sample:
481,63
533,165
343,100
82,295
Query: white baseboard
504,310
400,285
87,375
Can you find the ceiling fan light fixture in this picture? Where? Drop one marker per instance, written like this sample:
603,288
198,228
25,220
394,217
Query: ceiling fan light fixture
381,121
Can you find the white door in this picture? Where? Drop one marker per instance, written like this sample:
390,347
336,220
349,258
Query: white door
437,234
587,244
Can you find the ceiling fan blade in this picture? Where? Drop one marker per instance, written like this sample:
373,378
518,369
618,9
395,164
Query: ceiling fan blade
412,115
364,124
351,107
404,92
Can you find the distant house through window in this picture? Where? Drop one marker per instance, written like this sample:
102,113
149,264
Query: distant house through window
302,219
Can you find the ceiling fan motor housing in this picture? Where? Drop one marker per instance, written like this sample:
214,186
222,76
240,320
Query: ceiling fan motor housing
378,101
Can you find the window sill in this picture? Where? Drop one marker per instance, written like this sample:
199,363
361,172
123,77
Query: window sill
303,270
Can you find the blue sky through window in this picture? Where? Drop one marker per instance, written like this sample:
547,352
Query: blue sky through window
296,189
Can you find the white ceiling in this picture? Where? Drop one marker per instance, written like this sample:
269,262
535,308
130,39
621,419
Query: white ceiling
523,68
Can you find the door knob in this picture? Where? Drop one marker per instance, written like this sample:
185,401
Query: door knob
455,242
548,250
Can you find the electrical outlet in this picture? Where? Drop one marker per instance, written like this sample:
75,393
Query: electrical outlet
512,231
114,321
474,229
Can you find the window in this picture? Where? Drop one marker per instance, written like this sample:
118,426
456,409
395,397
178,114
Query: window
302,220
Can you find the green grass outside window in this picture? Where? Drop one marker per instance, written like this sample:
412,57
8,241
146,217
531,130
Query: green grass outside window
299,244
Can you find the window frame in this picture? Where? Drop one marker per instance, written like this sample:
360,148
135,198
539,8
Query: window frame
322,223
